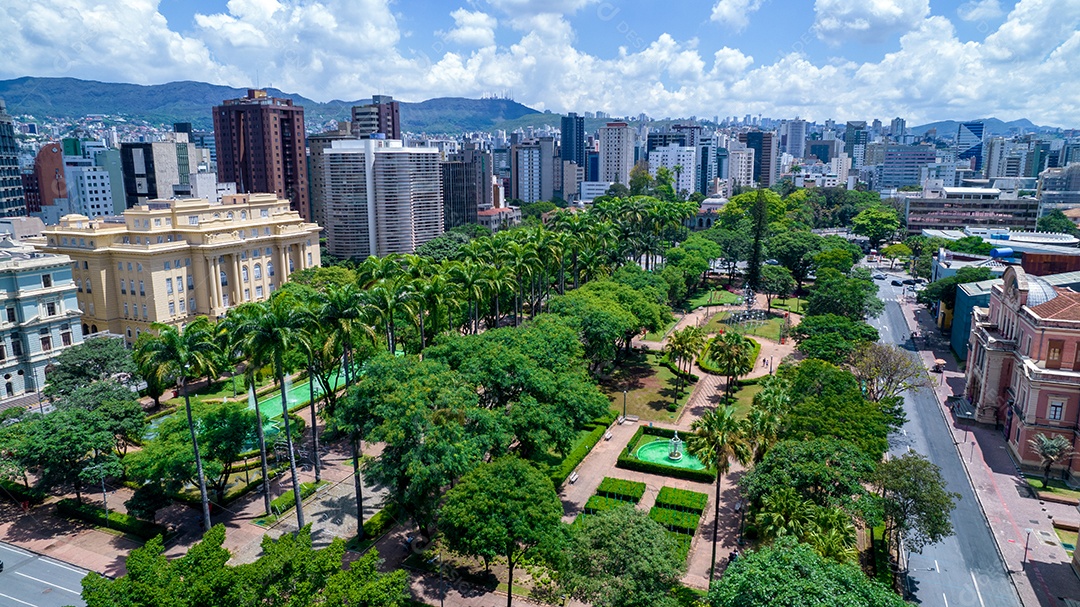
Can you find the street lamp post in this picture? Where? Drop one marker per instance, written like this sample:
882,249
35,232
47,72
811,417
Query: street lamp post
624,404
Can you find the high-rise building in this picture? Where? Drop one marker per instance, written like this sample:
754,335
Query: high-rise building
317,174
260,147
677,159
616,152
903,165
855,140
172,260
824,150
49,171
969,143
532,170
766,156
796,138
693,134
12,202
31,192
664,138
466,186
379,197
382,115
572,146
152,169
898,128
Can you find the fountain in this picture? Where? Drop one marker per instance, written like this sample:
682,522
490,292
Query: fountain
675,448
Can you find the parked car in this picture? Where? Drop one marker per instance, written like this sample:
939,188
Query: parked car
879,276
910,281
897,283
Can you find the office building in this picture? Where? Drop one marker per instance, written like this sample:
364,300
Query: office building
466,186
616,152
12,202
741,165
172,260
572,142
532,170
855,139
382,115
945,208
152,169
693,135
824,150
679,160
664,138
897,129
796,138
260,147
766,156
969,143
379,197
1024,365
903,165
1059,188
40,317
49,174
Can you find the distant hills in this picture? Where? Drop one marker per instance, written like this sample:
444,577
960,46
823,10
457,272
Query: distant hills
188,101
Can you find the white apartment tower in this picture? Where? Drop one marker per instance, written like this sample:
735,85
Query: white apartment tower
616,152
677,159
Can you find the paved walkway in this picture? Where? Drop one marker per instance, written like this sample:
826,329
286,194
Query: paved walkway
1009,506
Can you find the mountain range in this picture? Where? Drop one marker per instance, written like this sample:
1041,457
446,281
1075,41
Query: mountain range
189,101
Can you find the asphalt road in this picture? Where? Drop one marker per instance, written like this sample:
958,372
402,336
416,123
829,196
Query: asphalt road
965,569
29,580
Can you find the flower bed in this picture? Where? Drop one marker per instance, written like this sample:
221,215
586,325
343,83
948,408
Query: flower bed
681,500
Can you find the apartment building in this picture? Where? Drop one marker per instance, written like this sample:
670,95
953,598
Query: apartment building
171,260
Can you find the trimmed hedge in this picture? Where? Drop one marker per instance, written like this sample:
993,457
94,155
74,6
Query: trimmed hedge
682,543
285,502
666,362
681,500
705,363
19,493
599,503
617,488
381,521
673,520
558,474
126,523
628,461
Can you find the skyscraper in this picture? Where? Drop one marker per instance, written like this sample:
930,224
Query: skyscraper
532,167
796,138
12,202
898,128
573,139
616,152
152,169
766,156
382,115
855,140
969,143
466,186
903,165
260,147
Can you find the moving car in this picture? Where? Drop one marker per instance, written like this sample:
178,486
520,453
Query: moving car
879,276
897,283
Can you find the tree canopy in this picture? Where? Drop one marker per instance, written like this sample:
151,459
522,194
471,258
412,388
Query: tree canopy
853,296
944,290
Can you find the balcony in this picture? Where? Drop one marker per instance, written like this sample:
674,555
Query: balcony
993,338
1037,371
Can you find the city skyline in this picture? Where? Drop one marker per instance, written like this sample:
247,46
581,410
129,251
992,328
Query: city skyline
918,59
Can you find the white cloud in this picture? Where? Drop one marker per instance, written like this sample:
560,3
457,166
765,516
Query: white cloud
867,20
980,10
472,28
533,7
348,49
735,13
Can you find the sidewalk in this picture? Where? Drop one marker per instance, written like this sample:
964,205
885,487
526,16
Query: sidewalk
1011,509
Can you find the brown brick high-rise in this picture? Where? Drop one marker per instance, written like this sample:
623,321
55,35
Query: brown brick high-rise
260,147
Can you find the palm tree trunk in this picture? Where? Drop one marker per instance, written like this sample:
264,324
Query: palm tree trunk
716,525
289,444
314,422
198,460
423,342
358,485
262,449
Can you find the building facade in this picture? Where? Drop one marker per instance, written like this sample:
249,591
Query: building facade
680,160
49,171
260,147
855,140
572,141
466,186
969,143
1023,372
943,208
40,317
12,202
172,260
382,115
903,165
766,156
532,168
152,169
616,152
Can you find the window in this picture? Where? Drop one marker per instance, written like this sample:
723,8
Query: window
168,265
180,284
129,266
268,253
89,286
3,352
78,283
46,280
119,266
1053,354
131,286
1057,407
193,220
264,212
187,261
243,214
258,292
65,335
168,286
46,340
309,260
292,266
190,282
138,267
129,332
50,308
125,309
85,265
182,304
258,271
144,311
191,305
11,314
269,268
157,222
92,311
16,346
142,290
244,273
172,308
224,279
247,294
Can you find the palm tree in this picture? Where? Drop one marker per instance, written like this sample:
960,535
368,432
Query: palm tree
761,428
388,298
1050,450
184,354
268,330
682,348
716,441
469,277
832,534
732,353
344,310
784,512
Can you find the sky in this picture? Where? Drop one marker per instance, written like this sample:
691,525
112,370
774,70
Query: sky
922,60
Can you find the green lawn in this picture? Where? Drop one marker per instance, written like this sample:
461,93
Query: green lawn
713,297
1068,539
769,329
662,333
650,388
216,392
744,399
1056,487
791,304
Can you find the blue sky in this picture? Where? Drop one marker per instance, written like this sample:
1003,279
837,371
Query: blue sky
842,59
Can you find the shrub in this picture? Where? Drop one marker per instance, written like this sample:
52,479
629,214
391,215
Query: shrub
617,488
706,363
18,492
673,520
558,474
116,520
285,502
381,521
666,362
681,500
599,503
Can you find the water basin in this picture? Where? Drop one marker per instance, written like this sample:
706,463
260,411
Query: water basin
657,453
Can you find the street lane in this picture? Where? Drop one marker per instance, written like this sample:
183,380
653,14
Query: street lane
964,569
29,580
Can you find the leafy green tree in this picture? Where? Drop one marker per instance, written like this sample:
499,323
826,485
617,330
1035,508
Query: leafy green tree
776,281
505,508
717,439
64,447
184,354
621,558
617,190
795,251
852,296
789,574
877,223
974,245
1056,221
116,409
649,283
896,251
602,321
641,183
944,290
735,243
837,259
832,338
323,278
1050,450
676,280
733,354
759,217
825,471
917,505
93,360
887,371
